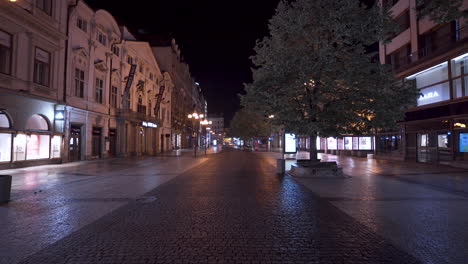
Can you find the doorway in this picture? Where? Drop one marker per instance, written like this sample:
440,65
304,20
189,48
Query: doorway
162,143
96,142
112,142
74,152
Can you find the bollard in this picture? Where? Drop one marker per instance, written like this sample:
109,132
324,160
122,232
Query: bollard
5,188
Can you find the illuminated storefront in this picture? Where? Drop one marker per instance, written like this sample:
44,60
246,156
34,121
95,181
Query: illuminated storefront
34,142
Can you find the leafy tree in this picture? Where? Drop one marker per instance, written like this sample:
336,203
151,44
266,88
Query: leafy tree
246,125
441,11
314,74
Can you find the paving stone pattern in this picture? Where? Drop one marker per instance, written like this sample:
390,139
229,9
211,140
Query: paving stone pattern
231,209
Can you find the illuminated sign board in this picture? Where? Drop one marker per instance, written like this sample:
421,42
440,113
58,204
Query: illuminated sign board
290,146
149,124
463,142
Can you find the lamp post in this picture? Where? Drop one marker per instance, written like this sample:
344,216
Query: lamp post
206,123
271,142
195,117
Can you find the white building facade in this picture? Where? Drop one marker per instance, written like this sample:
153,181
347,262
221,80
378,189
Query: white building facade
32,41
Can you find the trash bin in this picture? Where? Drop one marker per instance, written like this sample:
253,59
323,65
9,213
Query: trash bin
280,166
5,188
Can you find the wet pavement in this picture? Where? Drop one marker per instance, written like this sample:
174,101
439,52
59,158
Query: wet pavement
421,208
50,202
232,208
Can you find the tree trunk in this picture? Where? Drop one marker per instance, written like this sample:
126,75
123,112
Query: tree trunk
313,156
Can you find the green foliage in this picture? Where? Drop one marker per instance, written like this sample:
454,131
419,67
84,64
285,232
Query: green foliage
441,11
314,74
246,125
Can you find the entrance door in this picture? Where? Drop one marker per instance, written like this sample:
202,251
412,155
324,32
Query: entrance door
162,143
74,152
112,142
427,147
96,142
423,147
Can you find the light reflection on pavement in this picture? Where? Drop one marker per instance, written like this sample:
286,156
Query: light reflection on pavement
59,199
422,208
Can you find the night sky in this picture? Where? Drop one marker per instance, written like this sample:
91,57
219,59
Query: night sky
216,39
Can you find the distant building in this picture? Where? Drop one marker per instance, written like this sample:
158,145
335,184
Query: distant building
435,57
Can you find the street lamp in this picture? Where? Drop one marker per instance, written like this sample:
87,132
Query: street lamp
194,117
270,142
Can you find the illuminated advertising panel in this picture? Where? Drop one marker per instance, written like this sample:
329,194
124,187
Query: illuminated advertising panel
463,142
290,146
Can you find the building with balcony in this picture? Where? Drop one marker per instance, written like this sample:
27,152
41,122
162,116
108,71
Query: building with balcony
434,57
32,37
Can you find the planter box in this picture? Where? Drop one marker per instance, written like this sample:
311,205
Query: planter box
316,170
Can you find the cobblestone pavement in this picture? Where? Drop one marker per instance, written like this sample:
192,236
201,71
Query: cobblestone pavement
50,202
421,208
230,209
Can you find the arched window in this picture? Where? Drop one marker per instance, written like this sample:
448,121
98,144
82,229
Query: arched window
4,120
37,122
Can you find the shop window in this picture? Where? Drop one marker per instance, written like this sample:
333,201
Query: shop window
437,93
388,143
443,141
56,147
45,5
331,143
41,67
5,52
348,143
317,143
37,122
19,147
79,82
37,147
5,147
4,121
365,143
433,84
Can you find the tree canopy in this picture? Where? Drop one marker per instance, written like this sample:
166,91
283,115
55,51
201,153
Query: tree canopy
246,125
315,75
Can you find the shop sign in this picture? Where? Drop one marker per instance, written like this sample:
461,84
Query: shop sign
149,124
290,143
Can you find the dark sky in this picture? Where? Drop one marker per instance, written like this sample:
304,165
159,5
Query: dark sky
216,38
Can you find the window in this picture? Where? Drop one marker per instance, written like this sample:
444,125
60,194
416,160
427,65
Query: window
113,101
38,123
403,21
45,5
116,51
400,57
37,147
82,24
41,67
56,146
5,147
102,38
130,60
388,143
140,69
79,83
5,52
460,76
99,91
151,76
441,38
149,107
433,84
